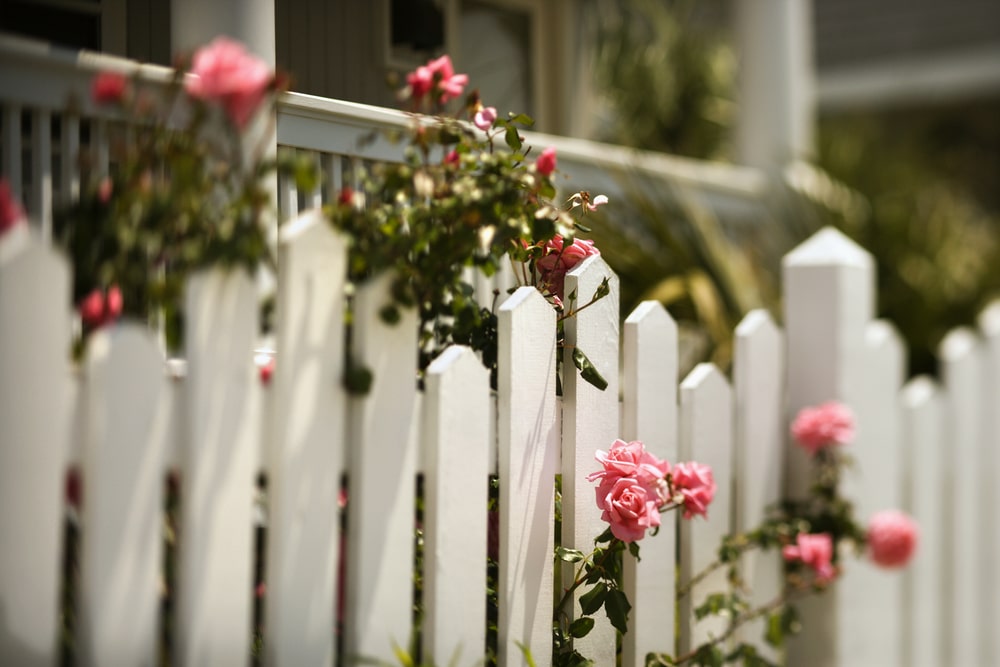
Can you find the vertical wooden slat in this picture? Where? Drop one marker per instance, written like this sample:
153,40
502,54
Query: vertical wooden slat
873,595
218,466
989,327
649,396
927,578
127,406
41,171
288,196
590,422
69,149
34,430
758,379
12,148
456,478
961,372
706,436
383,463
332,167
528,449
100,138
829,300
307,456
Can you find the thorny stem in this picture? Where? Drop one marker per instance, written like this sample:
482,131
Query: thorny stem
712,567
573,313
579,579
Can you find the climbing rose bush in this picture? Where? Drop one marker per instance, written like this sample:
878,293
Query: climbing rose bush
815,551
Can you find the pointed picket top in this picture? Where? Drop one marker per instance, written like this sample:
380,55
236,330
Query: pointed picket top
126,426
989,320
829,246
456,473
649,414
35,414
958,344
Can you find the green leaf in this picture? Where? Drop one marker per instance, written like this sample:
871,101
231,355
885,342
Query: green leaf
512,138
587,370
357,379
526,652
521,118
712,605
774,635
710,656
617,607
606,536
581,626
569,555
390,314
633,548
593,599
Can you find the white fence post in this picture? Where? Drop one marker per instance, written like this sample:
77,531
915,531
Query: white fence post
382,461
706,436
128,412
759,384
528,449
306,457
590,422
34,429
829,300
456,482
989,327
925,623
961,372
649,414
218,467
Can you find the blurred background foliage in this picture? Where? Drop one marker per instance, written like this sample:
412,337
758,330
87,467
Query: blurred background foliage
918,188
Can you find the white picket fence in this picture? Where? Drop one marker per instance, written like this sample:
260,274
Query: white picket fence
126,422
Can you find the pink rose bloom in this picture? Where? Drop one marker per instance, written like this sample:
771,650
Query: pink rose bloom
452,158
546,162
814,550
831,423
11,212
484,118
630,459
96,309
108,88
225,73
892,538
449,84
630,509
559,259
105,190
696,484
266,372
420,81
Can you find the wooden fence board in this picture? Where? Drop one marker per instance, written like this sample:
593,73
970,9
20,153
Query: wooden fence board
34,430
649,397
456,482
127,417
589,423
528,450
989,328
307,456
218,467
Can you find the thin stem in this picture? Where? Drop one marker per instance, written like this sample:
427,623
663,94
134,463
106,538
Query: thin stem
572,313
579,579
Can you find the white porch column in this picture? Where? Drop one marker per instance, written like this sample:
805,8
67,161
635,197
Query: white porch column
194,23
776,82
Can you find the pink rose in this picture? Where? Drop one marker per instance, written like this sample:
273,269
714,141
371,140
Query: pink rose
452,158
831,423
560,258
266,371
96,309
696,484
630,459
420,81
484,118
814,550
224,73
104,190
11,212
546,162
630,509
439,76
108,88
892,538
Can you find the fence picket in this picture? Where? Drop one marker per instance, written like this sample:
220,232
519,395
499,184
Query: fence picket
307,456
589,422
41,170
12,148
382,466
706,436
758,379
873,595
961,359
528,450
649,398
218,466
34,425
456,479
989,327
128,412
925,623
829,300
